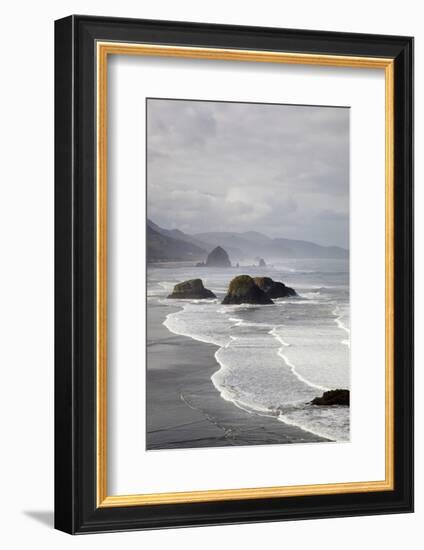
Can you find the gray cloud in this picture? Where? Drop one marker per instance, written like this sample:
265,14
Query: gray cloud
279,169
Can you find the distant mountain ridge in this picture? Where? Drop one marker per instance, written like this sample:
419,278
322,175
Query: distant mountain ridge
179,235
175,245
161,246
251,243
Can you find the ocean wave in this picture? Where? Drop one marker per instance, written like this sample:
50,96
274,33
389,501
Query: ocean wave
286,269
203,327
298,301
311,294
340,320
332,423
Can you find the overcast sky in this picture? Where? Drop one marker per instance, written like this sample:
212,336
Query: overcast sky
279,169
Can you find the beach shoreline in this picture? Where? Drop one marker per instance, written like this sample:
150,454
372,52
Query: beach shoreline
183,407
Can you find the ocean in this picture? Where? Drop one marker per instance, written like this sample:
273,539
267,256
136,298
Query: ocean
272,360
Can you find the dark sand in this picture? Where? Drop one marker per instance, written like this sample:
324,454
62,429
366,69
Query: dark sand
185,410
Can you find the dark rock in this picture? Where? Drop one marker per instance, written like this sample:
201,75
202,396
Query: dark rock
243,290
261,262
274,289
333,397
192,289
200,264
218,258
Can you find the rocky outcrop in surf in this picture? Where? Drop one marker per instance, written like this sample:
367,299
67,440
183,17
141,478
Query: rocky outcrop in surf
218,258
243,290
192,289
333,397
274,289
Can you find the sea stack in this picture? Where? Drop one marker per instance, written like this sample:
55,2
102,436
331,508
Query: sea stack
274,289
192,289
218,258
333,397
243,290
261,262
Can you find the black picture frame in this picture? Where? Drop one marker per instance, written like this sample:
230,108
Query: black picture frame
76,509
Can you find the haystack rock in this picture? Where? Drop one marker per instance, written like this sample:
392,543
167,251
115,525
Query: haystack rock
192,289
243,290
218,258
261,262
333,397
274,289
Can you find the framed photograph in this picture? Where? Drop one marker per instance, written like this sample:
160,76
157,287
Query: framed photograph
234,270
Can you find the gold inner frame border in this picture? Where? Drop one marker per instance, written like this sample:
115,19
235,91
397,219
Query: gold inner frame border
103,50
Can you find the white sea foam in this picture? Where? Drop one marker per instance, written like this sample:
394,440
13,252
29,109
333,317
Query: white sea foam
296,302
342,317
197,321
329,422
